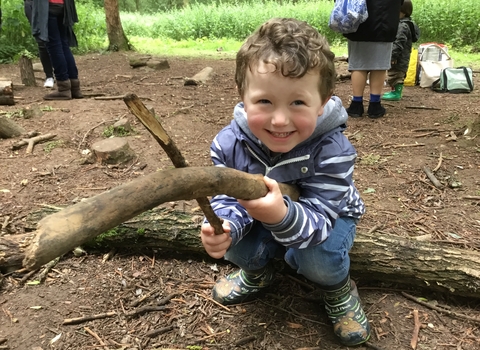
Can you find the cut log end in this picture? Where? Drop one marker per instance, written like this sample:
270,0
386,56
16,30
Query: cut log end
6,93
113,151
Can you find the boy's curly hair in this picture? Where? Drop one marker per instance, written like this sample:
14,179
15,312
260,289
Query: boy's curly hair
293,47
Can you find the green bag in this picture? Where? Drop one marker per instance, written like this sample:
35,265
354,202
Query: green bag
454,80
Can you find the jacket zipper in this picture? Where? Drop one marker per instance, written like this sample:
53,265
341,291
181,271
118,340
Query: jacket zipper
288,161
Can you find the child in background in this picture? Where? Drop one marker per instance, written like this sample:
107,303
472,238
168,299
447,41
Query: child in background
408,33
289,128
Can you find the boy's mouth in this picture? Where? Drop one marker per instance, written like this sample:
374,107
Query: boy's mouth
281,134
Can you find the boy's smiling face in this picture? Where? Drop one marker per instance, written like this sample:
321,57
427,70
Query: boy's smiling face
282,112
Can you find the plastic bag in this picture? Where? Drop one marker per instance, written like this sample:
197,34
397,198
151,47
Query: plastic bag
347,15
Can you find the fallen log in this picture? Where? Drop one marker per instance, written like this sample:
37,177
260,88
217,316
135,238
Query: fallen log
375,257
9,129
437,267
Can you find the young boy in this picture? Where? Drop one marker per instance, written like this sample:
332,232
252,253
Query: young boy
407,33
289,128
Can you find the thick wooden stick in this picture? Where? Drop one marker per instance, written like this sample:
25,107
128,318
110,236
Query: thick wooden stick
160,134
71,227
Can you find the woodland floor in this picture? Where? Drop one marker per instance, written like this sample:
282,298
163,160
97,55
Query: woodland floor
400,200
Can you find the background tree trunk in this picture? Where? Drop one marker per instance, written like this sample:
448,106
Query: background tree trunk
116,36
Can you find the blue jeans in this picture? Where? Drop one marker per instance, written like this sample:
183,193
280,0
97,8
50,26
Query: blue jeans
63,62
326,264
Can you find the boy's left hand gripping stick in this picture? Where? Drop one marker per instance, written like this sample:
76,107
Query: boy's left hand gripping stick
158,132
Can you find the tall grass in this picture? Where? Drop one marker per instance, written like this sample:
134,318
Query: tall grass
456,23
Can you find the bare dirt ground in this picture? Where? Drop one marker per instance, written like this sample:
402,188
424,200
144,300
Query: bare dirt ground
400,200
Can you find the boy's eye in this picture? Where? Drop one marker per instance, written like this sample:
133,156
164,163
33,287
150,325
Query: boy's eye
298,102
263,101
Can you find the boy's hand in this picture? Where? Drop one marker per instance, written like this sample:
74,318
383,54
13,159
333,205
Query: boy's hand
270,209
216,245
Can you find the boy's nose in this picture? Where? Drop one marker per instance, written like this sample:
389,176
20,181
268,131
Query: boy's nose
280,117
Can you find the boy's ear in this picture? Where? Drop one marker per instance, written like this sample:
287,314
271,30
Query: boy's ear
320,111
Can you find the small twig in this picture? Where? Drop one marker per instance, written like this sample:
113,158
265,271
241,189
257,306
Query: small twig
374,228
209,336
155,332
432,177
423,107
409,145
70,321
167,299
109,255
95,335
48,267
137,302
89,131
416,330
427,134
27,276
439,163
31,142
245,340
475,198
439,309
145,309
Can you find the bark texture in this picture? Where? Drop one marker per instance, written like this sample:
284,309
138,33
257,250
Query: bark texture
116,36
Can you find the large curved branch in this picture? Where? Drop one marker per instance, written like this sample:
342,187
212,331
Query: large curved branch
58,233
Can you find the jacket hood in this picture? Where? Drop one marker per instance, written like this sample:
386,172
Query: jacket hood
334,115
414,29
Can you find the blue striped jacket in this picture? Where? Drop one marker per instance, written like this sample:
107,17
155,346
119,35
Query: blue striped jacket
321,166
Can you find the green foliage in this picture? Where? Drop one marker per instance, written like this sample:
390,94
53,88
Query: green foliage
51,145
118,131
15,35
197,22
456,23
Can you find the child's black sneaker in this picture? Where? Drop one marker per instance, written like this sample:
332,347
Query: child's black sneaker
375,110
238,286
356,109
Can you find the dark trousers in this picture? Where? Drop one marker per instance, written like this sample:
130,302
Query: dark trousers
42,48
58,47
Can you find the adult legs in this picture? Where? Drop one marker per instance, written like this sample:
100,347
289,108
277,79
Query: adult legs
42,48
61,56
58,47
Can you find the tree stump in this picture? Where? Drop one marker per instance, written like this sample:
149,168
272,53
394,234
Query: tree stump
113,151
26,71
6,93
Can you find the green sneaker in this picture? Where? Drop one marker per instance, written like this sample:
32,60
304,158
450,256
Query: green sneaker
238,286
343,307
